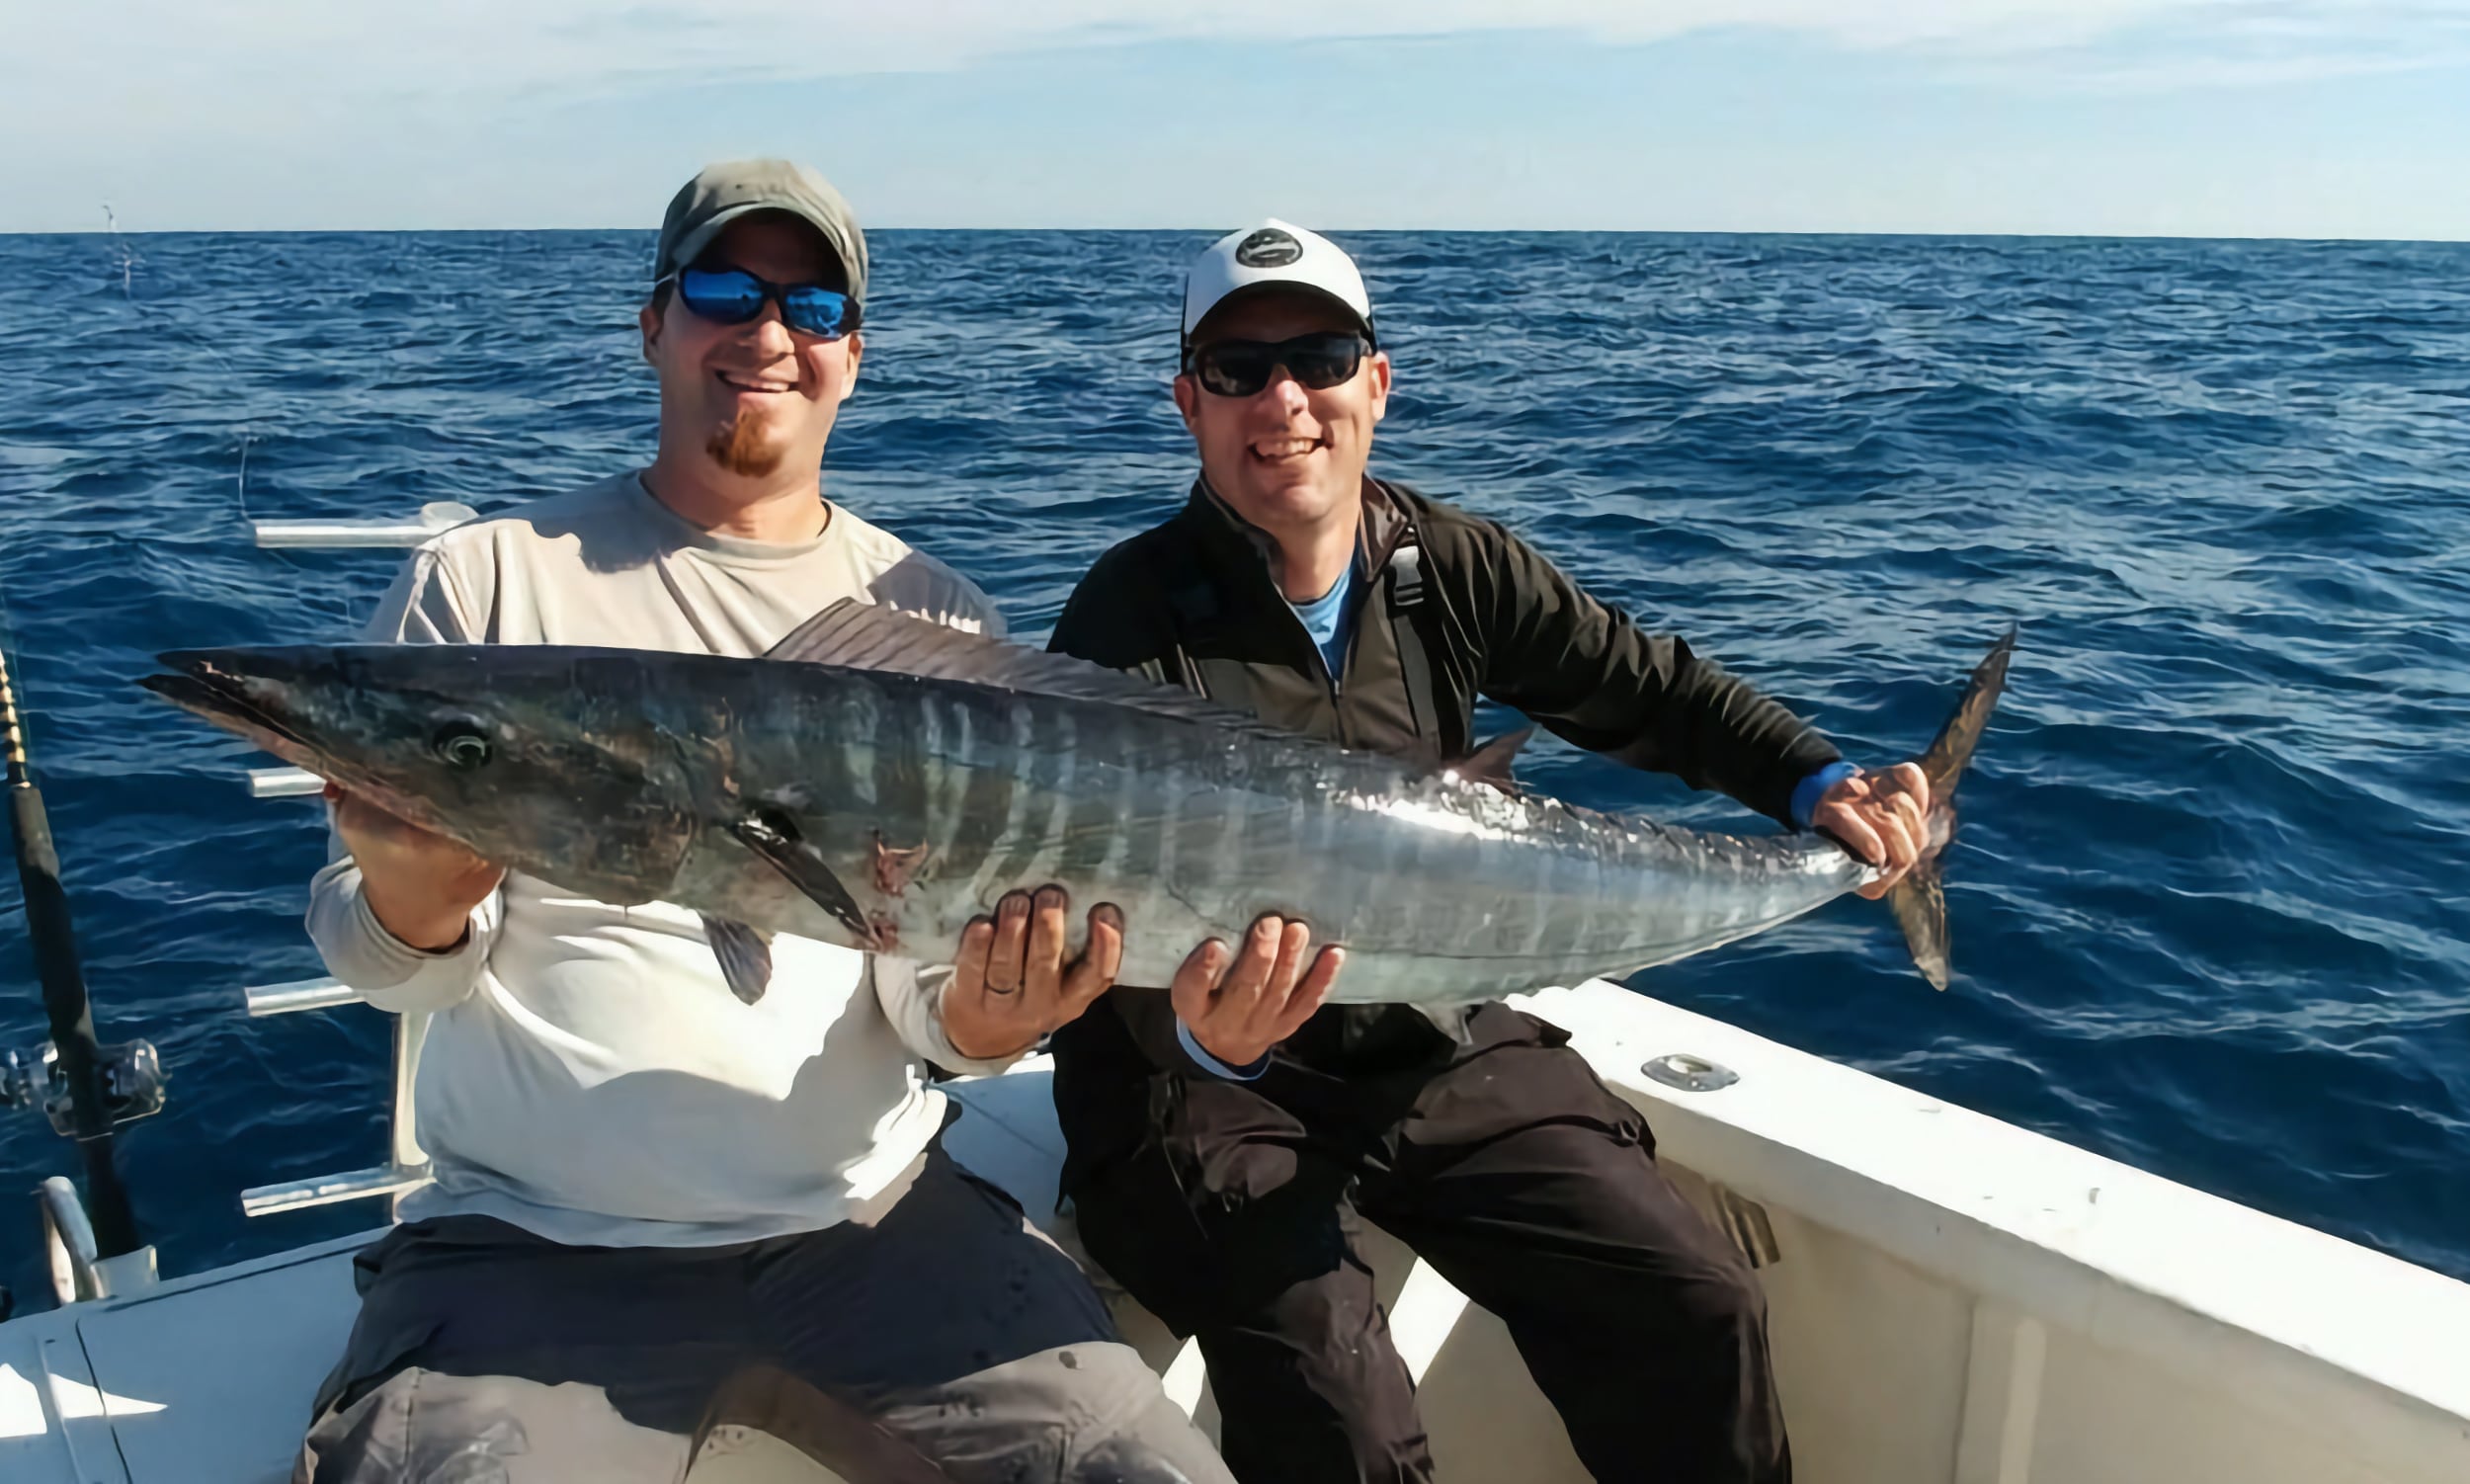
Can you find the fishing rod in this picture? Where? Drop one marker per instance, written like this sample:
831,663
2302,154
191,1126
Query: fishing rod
86,1089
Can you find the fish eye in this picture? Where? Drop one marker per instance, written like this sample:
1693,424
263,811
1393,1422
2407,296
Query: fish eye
461,745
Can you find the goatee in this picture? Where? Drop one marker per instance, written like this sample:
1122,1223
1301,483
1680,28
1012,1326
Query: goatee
745,447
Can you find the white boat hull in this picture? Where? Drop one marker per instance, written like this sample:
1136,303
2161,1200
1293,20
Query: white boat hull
1952,1299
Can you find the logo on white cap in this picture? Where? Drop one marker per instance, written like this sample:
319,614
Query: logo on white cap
1269,248
1273,252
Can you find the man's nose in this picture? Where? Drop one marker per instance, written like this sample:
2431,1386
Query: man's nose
770,332
1286,392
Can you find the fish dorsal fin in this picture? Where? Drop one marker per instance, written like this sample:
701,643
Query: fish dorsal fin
1491,763
860,635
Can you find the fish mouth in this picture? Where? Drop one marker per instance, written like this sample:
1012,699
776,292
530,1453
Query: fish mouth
209,684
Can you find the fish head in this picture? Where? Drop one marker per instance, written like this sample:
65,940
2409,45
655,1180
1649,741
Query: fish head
549,760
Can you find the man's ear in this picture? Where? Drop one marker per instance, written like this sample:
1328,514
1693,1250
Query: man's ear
1380,384
648,318
1187,399
857,351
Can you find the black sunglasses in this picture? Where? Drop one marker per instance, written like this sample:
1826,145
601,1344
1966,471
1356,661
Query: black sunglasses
1241,368
732,296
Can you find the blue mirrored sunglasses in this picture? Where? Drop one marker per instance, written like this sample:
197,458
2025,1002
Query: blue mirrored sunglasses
732,296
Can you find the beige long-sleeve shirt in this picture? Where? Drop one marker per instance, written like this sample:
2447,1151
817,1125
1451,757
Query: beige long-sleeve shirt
587,1074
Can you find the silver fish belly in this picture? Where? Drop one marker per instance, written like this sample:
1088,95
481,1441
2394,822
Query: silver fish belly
1442,890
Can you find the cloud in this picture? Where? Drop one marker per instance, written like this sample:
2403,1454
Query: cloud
276,56
2243,43
473,111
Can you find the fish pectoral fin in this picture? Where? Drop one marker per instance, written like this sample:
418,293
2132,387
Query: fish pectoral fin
745,955
860,635
1491,763
807,870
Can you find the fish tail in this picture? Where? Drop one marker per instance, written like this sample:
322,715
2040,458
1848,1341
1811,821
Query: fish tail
1919,901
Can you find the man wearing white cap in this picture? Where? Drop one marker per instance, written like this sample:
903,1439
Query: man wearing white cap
1226,1137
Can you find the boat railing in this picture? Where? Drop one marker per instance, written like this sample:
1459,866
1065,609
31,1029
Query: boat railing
406,1168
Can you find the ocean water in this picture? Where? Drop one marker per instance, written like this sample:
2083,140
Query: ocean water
2208,906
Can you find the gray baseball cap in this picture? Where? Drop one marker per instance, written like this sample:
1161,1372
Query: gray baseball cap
721,194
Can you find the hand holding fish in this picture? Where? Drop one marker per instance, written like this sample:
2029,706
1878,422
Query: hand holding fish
420,885
1010,984
1881,817
1240,1006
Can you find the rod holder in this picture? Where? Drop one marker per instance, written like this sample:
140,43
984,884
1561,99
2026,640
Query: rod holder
299,995
434,518
283,782
327,1190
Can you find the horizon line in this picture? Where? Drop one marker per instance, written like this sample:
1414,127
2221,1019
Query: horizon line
1544,231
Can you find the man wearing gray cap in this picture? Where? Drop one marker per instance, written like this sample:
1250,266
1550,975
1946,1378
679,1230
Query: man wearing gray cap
685,1179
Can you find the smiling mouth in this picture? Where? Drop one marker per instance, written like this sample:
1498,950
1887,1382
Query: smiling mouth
1280,449
737,382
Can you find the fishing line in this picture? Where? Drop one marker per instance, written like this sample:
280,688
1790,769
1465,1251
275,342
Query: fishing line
128,260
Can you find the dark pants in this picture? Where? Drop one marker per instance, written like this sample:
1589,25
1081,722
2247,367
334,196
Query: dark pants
944,1340
1511,1168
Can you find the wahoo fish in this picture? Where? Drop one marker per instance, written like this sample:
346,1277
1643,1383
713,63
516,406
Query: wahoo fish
877,780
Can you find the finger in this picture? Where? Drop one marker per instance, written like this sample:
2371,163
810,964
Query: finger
1095,970
1886,883
1003,962
1914,782
356,821
1901,851
969,966
1193,991
1915,814
365,828
1312,992
1850,827
1896,836
1239,996
379,827
375,825
1043,973
1293,939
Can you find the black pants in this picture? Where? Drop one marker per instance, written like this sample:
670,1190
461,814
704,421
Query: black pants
1511,1168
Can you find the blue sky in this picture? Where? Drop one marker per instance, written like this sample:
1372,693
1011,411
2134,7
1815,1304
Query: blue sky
2245,117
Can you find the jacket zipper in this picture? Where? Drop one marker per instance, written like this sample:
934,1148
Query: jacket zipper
1330,686
1379,570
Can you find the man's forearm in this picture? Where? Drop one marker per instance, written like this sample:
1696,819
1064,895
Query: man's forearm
1600,682
389,973
420,915
1715,730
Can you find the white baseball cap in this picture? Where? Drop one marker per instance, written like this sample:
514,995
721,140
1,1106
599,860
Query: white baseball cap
1274,252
